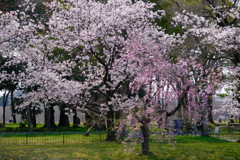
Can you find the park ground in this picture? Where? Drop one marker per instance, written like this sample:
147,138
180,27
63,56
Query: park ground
180,148
185,148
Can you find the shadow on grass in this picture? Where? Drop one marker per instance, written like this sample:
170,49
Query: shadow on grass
199,139
16,128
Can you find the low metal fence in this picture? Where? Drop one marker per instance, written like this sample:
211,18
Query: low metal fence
81,138
232,137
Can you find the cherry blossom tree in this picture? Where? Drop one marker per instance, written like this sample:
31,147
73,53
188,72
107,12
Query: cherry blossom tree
111,45
9,82
96,32
18,31
231,95
13,37
220,35
208,17
169,84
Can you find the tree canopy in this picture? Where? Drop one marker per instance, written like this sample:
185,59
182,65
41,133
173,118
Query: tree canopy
135,57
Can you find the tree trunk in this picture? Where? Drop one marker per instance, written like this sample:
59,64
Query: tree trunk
13,107
49,117
47,113
203,121
29,119
5,98
75,118
33,116
210,117
63,119
144,142
111,136
52,118
4,118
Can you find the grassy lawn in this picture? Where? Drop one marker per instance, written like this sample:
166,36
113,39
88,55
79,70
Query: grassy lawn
13,128
188,148
44,146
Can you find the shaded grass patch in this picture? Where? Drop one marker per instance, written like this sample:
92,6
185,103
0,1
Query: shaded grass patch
16,128
199,139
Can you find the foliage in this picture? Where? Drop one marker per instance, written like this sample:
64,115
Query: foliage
222,26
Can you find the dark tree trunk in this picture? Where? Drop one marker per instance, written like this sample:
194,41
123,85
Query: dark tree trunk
75,118
45,117
52,118
144,142
29,119
4,116
63,119
5,98
210,117
203,121
33,116
13,107
111,136
49,118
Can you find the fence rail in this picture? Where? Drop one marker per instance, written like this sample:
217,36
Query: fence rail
81,138
232,137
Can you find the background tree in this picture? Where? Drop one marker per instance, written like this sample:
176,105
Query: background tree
216,42
17,28
9,81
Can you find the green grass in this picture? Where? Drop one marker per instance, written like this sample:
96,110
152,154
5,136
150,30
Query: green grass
199,139
15,128
116,151
77,146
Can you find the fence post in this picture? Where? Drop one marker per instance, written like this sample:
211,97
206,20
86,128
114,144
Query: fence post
228,127
100,136
26,139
